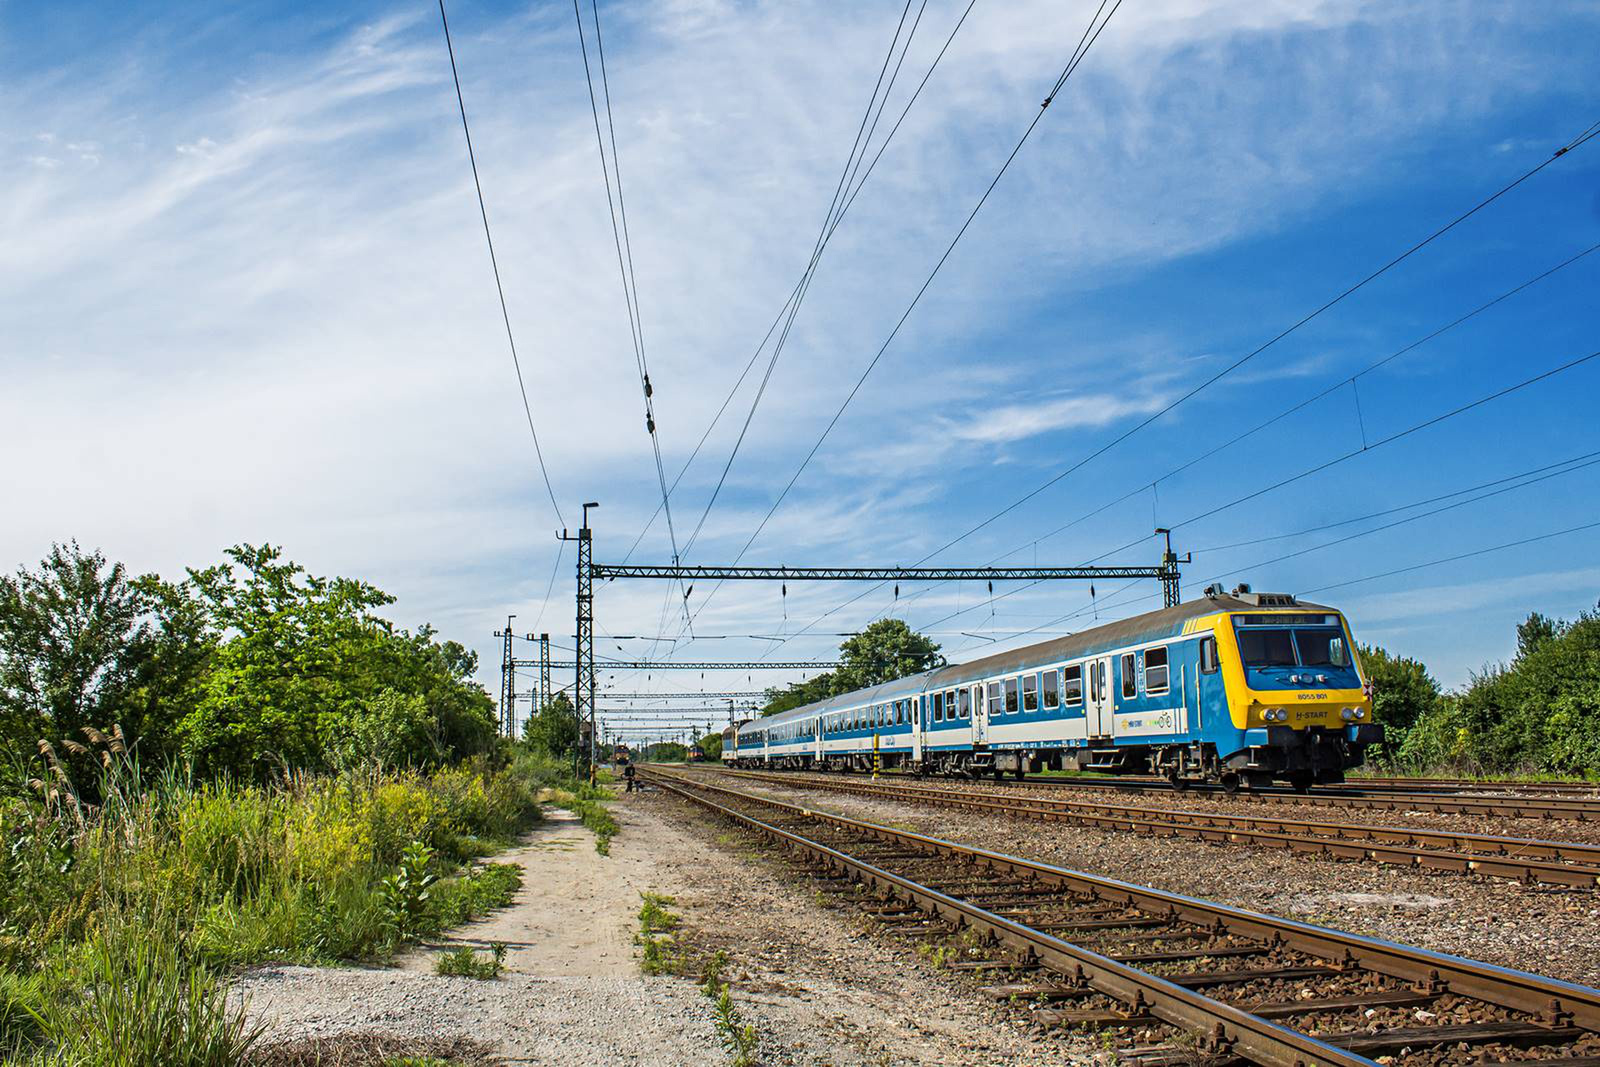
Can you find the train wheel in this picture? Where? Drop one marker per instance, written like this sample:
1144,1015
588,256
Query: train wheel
1230,783
1178,782
1301,781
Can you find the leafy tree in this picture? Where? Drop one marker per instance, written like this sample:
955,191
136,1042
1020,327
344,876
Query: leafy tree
887,649
1540,713
82,644
666,752
711,745
1403,691
1535,632
302,660
391,730
798,694
554,729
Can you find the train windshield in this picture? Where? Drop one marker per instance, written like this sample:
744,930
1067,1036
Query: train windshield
1271,653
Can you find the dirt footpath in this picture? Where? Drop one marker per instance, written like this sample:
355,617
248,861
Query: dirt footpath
572,993
576,912
817,988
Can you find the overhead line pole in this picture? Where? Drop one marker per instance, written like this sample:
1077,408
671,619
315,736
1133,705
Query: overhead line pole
508,680
583,664
545,696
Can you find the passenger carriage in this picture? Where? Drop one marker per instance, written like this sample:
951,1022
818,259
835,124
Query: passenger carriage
1242,688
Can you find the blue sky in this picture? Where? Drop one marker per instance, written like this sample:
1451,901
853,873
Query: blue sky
248,299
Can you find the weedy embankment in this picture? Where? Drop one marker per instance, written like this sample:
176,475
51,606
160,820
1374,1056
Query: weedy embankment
120,919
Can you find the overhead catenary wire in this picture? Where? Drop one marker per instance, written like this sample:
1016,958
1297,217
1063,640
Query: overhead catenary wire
1257,428
1318,468
494,263
618,208
795,292
1453,559
1568,466
864,132
1091,34
1339,298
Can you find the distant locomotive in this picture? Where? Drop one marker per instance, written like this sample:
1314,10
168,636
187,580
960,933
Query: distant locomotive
1242,689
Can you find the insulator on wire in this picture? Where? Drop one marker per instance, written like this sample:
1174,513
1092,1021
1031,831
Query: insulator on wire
650,424
648,391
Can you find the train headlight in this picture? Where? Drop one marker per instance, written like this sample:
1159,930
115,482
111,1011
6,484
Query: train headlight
1347,714
1361,713
1275,715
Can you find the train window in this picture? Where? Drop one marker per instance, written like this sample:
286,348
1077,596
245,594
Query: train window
1130,679
1208,655
1155,670
950,703
938,708
966,701
1011,696
1266,648
1321,648
992,699
1072,685
1052,692
1030,692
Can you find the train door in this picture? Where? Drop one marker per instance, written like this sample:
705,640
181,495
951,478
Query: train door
1099,711
816,726
915,717
980,717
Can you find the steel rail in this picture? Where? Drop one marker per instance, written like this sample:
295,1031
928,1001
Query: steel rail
1224,1026
1521,807
1484,785
1523,859
1515,990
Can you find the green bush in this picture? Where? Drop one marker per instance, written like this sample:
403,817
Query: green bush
464,962
1536,715
457,900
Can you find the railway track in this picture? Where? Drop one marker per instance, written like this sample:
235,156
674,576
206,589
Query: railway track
1469,785
1518,806
1238,985
1524,859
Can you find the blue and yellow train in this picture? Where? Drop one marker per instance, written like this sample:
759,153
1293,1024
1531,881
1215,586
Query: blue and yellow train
1240,688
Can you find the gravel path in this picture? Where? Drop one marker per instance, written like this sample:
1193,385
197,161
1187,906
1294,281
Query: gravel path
561,1021
818,988
1547,929
572,995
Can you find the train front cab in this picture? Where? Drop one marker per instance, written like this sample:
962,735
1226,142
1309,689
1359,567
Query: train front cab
1297,706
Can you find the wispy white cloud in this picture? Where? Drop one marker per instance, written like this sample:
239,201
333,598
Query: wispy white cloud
267,311
1048,413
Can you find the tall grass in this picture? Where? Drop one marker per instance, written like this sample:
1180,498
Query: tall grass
117,917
